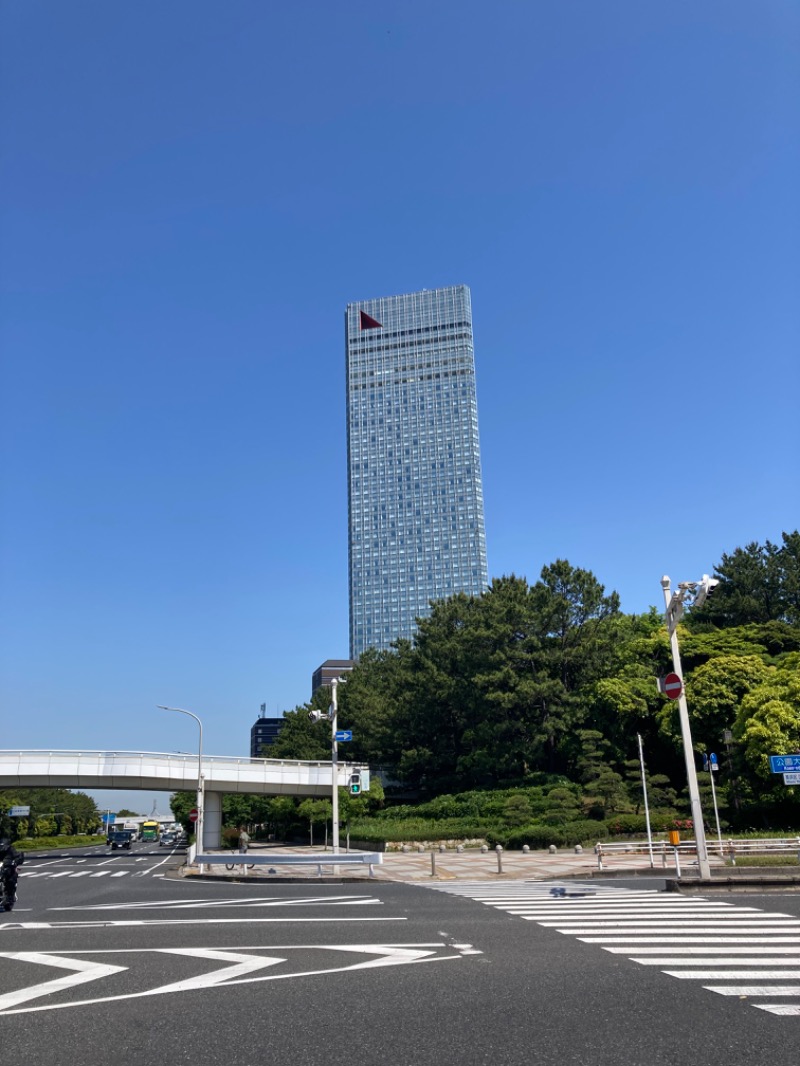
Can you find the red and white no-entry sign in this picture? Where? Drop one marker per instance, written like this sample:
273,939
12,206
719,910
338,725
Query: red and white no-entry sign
193,811
673,686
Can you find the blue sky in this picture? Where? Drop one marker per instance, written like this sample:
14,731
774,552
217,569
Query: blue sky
193,191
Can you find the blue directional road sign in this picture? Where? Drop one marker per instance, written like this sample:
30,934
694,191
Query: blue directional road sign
779,764
343,734
713,760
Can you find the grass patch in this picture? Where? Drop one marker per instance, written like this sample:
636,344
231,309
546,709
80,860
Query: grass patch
50,843
765,860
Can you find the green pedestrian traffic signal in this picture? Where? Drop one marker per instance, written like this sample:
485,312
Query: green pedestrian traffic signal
355,784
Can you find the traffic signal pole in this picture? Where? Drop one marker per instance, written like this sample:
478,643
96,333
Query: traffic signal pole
688,750
334,768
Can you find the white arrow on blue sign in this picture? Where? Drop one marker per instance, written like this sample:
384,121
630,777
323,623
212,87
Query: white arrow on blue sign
343,734
780,763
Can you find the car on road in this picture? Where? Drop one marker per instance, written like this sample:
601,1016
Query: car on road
168,840
121,839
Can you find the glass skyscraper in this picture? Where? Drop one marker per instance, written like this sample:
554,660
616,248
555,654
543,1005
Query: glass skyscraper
413,461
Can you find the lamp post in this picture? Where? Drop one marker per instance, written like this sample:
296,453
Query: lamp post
674,611
200,796
318,716
334,768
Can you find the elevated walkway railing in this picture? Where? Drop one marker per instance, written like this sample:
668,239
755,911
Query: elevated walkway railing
167,771
148,756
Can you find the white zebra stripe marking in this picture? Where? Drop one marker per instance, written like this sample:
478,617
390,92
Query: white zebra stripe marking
735,975
707,949
686,940
756,990
689,939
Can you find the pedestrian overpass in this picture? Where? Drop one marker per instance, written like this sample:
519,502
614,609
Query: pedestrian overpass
165,772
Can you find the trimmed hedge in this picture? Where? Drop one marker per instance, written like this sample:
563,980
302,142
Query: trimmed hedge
378,831
48,843
539,835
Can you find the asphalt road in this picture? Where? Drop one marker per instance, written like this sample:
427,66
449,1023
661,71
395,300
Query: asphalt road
109,959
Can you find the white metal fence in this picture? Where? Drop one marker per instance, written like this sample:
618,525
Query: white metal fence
726,851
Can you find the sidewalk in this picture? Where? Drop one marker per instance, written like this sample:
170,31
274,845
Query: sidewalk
468,865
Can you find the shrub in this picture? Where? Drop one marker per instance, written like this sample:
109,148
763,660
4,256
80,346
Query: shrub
534,835
415,830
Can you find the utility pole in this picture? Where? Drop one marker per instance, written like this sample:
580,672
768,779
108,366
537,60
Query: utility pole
674,611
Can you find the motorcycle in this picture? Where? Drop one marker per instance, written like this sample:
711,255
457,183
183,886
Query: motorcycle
8,886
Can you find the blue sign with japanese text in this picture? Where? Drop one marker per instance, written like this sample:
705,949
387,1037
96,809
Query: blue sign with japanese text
781,763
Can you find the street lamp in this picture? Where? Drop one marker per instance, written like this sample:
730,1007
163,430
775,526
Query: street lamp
200,796
698,591
317,716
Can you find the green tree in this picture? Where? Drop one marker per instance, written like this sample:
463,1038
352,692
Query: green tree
314,812
281,812
768,722
715,691
517,810
660,792
563,807
757,583
301,738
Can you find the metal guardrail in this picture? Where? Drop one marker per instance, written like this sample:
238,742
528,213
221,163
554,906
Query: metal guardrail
245,859
728,849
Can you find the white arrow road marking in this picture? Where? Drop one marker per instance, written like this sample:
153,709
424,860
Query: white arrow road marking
246,964
84,972
387,955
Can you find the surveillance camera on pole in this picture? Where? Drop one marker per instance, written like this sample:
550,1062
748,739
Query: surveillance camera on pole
704,589
317,716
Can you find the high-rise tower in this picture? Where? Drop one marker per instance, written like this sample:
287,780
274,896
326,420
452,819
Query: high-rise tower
413,461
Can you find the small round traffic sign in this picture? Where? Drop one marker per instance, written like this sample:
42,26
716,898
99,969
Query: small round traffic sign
673,686
193,814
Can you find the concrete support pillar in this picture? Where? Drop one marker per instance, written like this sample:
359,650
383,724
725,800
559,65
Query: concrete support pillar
212,821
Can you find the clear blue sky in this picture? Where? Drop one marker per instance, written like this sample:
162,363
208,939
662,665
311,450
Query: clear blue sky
192,192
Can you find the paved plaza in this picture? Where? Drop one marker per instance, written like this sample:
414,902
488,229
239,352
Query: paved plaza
471,864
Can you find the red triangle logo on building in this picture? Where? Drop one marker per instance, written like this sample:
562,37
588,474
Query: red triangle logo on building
369,323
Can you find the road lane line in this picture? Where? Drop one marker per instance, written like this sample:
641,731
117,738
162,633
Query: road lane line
124,923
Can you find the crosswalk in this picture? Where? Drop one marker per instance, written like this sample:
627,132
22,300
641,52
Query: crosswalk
88,872
732,950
